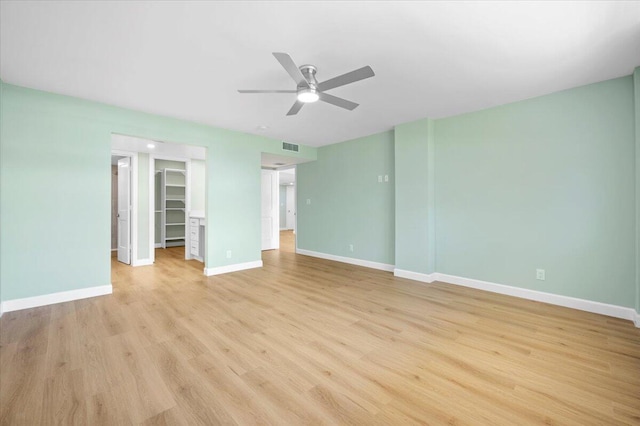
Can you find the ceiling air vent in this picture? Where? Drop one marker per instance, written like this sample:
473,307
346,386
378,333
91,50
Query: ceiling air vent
289,146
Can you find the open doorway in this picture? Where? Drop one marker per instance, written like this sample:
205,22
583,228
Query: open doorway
171,193
182,168
284,167
287,210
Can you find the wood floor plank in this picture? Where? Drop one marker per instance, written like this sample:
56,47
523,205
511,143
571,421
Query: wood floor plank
311,341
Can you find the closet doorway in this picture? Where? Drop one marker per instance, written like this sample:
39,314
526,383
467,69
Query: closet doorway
171,198
163,201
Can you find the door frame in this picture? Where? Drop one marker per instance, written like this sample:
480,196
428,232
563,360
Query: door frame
133,192
152,201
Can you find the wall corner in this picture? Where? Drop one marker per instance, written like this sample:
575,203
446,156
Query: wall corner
414,150
636,104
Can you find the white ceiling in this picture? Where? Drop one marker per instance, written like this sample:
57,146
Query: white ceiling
431,59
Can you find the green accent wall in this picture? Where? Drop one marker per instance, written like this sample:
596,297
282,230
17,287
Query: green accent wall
197,186
543,183
55,188
415,198
348,204
636,96
547,183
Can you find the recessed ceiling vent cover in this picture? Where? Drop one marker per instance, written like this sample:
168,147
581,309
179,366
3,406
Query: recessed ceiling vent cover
289,147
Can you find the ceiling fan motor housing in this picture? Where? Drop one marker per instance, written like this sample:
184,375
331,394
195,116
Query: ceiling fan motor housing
308,93
309,73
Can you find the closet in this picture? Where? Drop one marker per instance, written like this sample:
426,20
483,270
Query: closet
171,204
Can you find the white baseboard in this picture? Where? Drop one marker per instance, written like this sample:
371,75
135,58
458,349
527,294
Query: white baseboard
350,260
50,299
540,296
416,276
157,245
636,321
142,262
232,268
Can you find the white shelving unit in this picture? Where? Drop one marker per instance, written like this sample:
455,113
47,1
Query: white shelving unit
172,207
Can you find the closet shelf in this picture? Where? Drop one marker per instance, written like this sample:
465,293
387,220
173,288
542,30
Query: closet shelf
173,190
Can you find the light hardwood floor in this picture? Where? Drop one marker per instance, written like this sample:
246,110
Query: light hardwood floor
309,341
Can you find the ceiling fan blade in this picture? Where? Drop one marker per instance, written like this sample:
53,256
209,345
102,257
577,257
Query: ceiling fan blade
266,91
350,77
334,100
295,108
290,66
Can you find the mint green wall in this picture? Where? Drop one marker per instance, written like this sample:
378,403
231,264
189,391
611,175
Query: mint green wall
197,185
55,188
636,92
2,137
549,183
414,197
348,205
543,183
143,206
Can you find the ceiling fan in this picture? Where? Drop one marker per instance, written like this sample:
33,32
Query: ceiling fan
309,90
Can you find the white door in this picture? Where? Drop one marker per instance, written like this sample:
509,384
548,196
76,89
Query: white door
124,210
270,219
291,208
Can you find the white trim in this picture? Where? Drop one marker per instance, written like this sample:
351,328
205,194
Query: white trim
350,260
636,320
232,268
152,209
540,296
142,262
187,202
416,276
49,299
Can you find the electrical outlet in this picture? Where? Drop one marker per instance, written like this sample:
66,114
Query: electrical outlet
228,254
386,178
379,178
308,201
540,274
350,247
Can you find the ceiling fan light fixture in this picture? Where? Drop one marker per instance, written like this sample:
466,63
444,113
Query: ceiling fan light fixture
308,95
